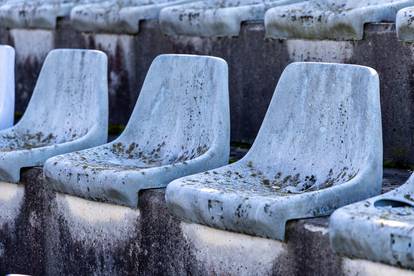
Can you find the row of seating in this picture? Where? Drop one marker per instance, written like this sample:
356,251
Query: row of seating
120,15
284,19
309,19
319,148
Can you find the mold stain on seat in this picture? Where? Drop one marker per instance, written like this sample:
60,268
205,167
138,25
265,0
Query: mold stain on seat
26,141
252,179
179,126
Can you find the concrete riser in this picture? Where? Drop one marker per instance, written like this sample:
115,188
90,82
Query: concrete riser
44,233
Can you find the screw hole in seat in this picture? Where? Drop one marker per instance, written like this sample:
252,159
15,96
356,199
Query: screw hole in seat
391,203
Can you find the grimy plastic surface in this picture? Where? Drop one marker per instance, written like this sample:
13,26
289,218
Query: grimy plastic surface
319,148
41,14
378,229
405,24
7,55
68,111
215,17
118,16
330,19
179,126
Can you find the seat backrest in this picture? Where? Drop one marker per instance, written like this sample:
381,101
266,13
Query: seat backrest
323,124
149,2
344,5
182,109
7,55
58,2
70,96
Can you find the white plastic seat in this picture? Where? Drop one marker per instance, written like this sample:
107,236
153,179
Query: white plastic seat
7,55
41,14
404,24
378,229
216,17
319,148
180,126
118,16
330,19
68,111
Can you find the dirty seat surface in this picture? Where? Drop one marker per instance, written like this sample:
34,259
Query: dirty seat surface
68,111
7,55
36,14
180,126
378,229
319,148
118,16
330,19
214,18
404,24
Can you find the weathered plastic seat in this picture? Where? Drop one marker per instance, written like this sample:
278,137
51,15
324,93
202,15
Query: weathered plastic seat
180,126
68,111
214,18
36,14
379,229
118,16
319,148
404,24
330,19
6,86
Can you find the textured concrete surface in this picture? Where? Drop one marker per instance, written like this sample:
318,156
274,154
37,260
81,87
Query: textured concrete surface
44,233
253,77
356,267
22,247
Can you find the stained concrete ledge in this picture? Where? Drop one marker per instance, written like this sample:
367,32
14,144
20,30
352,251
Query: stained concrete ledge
253,77
44,233
21,225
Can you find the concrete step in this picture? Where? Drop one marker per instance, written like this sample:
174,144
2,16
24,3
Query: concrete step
45,233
